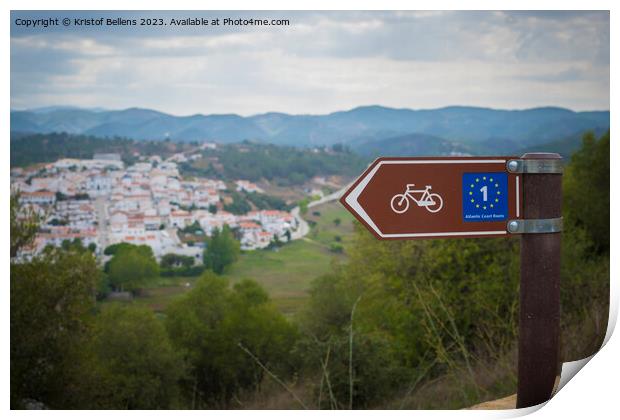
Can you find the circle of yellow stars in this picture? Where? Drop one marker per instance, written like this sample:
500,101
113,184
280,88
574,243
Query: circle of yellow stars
494,201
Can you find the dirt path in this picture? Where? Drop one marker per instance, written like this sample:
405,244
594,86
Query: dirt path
507,403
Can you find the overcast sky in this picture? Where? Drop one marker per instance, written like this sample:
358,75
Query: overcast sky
321,62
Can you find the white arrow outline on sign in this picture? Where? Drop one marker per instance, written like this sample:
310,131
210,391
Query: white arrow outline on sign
352,199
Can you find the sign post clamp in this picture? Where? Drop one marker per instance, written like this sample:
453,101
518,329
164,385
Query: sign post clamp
535,166
525,226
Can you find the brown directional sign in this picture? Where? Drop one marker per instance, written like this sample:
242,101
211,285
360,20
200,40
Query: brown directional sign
435,197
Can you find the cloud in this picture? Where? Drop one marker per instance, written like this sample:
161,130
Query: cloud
323,61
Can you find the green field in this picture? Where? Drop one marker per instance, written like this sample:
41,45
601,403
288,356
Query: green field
326,229
286,273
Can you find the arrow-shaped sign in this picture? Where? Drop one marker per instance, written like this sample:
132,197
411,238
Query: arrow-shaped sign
412,198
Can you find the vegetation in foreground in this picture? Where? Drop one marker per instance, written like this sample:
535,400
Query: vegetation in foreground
420,324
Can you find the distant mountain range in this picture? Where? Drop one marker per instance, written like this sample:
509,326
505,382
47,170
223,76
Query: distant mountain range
414,144
368,129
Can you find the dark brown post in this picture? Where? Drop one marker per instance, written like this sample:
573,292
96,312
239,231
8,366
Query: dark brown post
539,318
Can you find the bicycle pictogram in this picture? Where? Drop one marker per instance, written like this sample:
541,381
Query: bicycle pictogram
430,201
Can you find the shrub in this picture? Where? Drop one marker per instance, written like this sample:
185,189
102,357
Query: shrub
336,248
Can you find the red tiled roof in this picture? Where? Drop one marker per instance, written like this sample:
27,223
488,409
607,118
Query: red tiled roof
249,225
41,193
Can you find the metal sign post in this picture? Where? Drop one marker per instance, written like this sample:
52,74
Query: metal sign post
458,197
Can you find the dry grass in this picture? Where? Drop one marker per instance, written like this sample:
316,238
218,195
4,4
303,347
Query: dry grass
488,384
584,337
271,396
462,387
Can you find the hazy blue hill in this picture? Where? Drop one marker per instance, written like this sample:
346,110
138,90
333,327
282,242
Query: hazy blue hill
126,123
284,129
565,146
272,123
600,117
478,125
75,121
479,129
376,117
46,109
498,146
23,122
225,128
414,144
146,124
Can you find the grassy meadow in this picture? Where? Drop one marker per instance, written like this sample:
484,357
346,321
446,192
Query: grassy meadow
286,273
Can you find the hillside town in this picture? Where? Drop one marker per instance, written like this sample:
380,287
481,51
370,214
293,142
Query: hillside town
101,201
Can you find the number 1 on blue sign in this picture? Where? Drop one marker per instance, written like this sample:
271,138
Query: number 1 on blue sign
485,196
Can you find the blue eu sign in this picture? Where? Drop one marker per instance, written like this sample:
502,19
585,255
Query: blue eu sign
485,197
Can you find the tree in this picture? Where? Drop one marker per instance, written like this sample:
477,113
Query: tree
102,286
132,267
585,245
222,249
114,248
586,190
336,248
24,225
419,304
58,222
263,201
131,363
75,244
275,242
175,260
303,205
209,325
239,204
51,297
193,228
